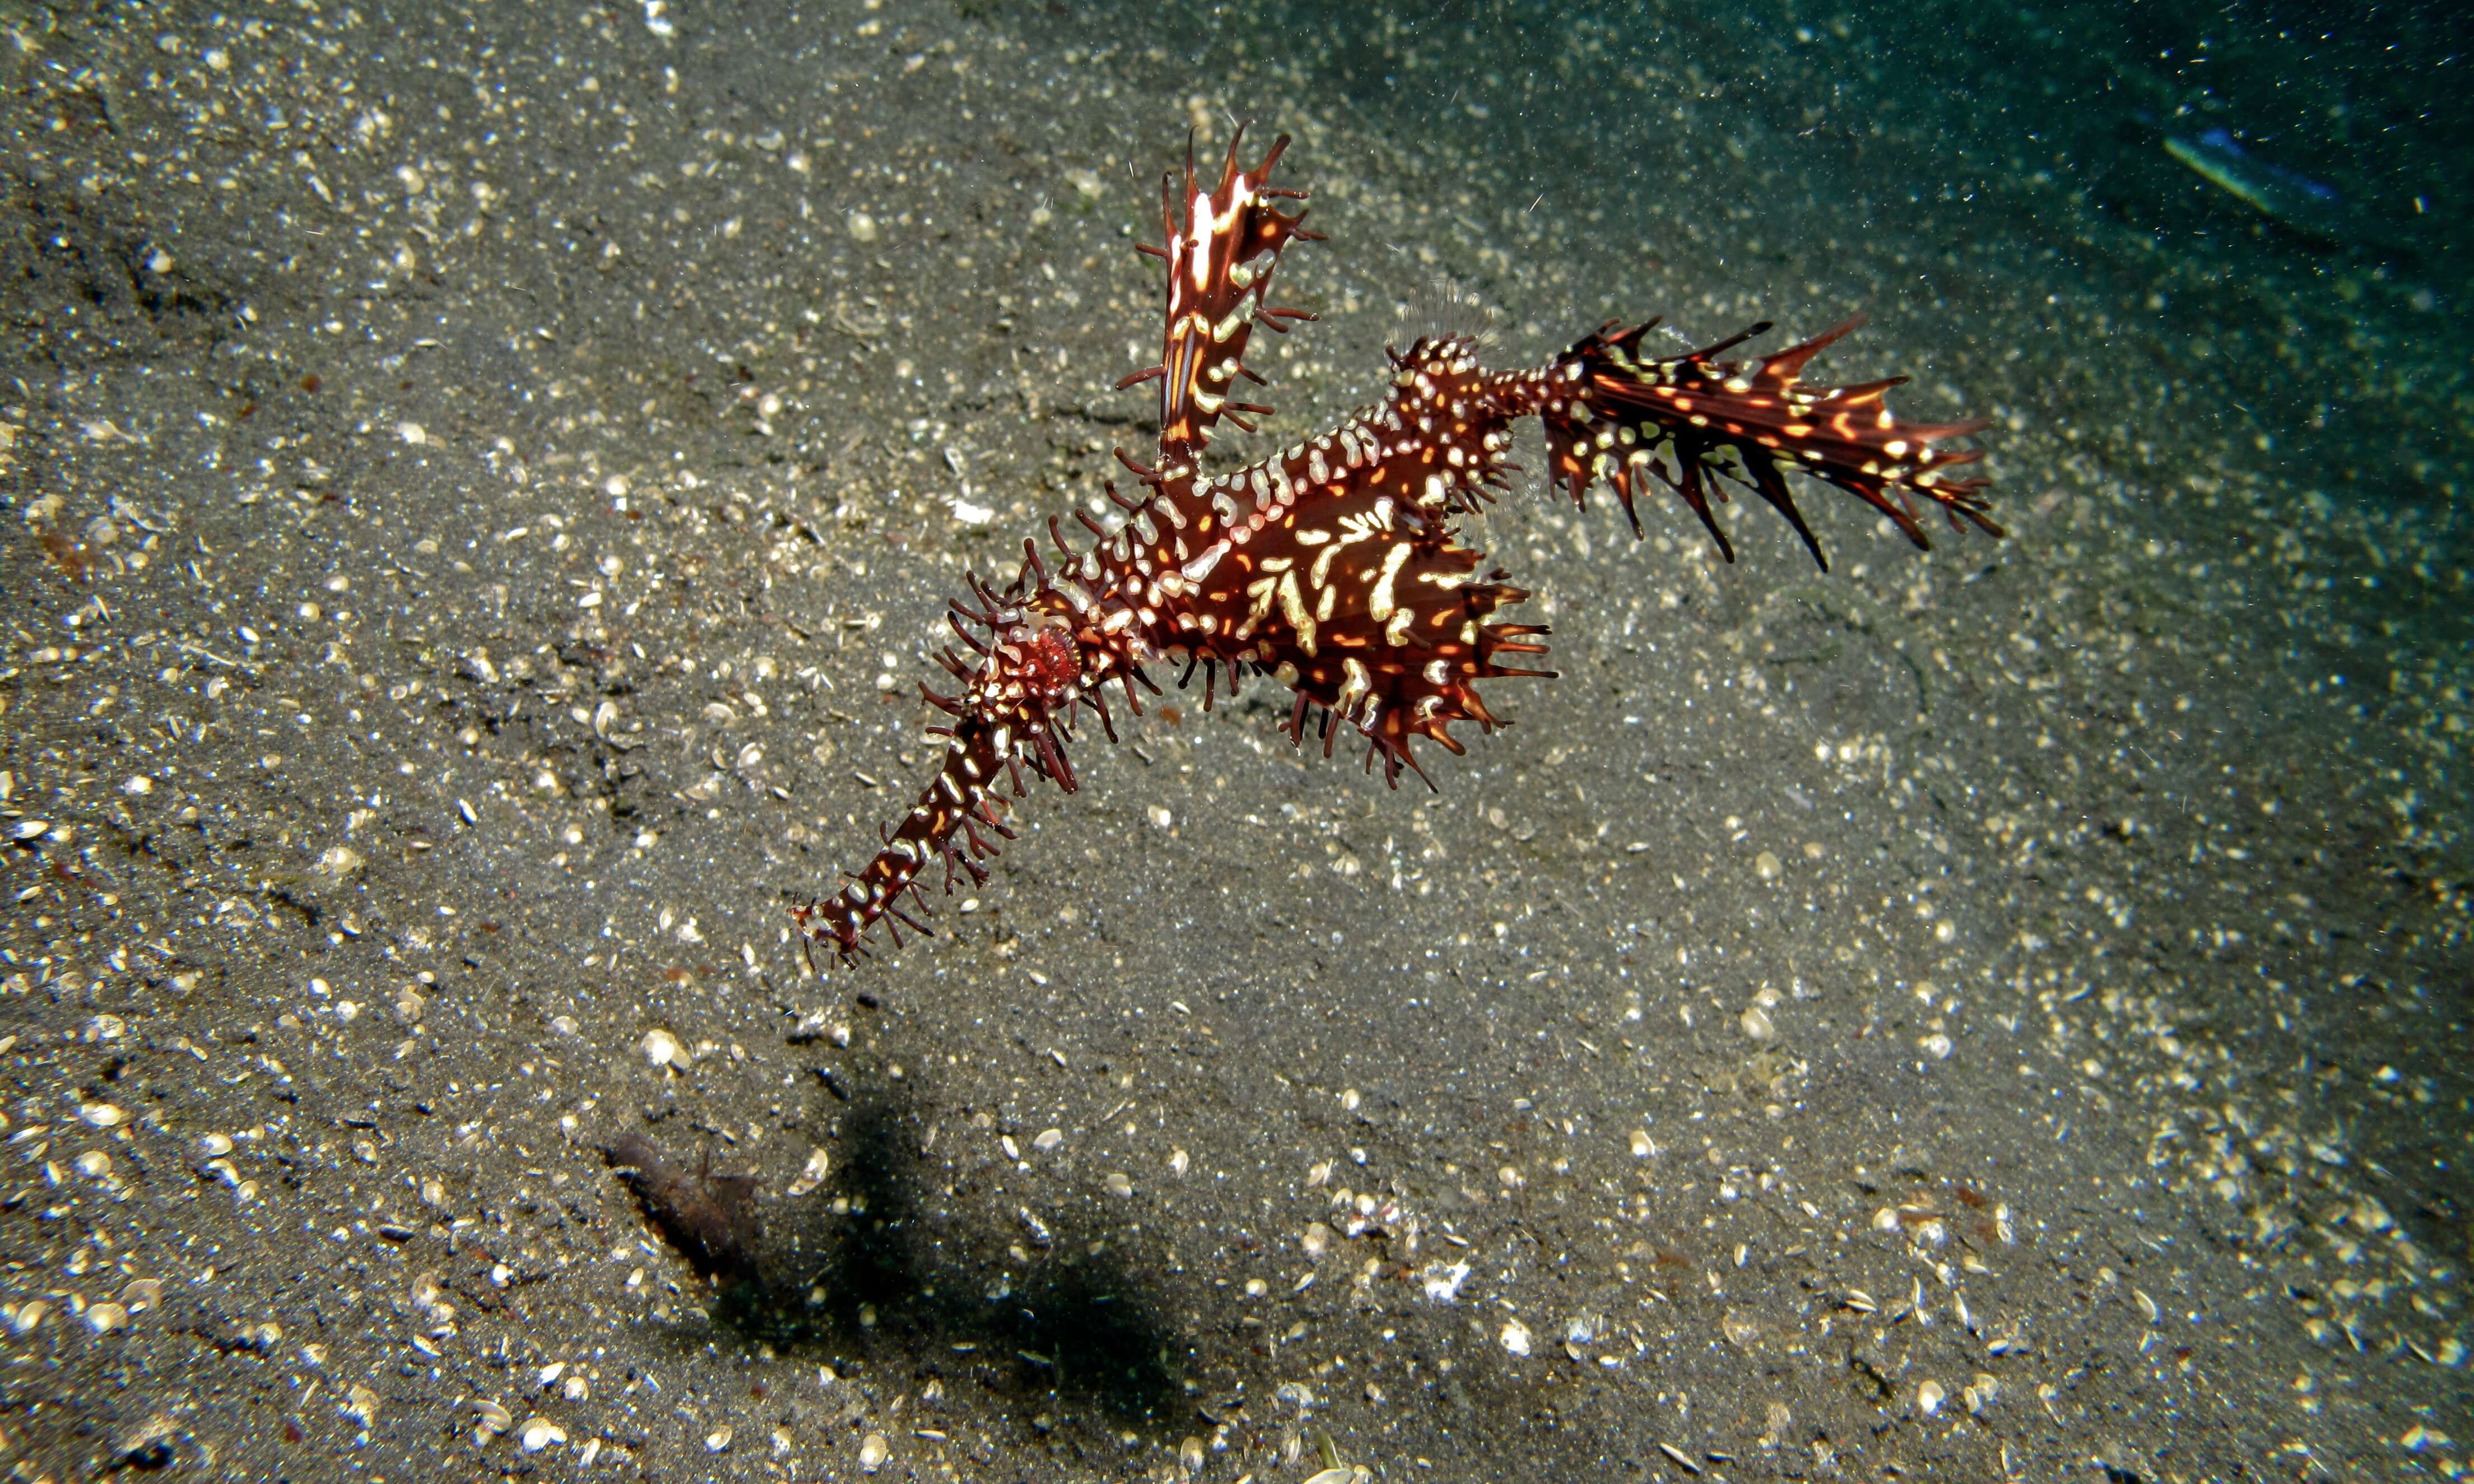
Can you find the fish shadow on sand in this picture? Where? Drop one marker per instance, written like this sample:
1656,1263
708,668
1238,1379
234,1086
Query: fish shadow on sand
932,1293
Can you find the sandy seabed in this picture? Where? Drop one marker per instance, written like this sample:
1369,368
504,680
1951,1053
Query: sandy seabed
479,488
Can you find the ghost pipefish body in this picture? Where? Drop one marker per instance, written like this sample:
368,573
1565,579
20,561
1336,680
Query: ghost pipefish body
1334,566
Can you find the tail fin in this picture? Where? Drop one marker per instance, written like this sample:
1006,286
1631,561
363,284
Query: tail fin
1628,415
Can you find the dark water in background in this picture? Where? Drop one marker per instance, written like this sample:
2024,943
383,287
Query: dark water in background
2002,147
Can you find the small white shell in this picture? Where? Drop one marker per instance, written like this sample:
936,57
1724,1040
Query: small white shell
820,1165
489,1420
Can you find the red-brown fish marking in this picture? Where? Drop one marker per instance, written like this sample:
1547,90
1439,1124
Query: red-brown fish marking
1334,566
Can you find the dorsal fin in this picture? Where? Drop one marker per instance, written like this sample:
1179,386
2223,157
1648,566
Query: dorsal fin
1223,245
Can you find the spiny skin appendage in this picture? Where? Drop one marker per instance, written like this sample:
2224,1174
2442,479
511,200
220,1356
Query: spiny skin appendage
1007,720
1334,566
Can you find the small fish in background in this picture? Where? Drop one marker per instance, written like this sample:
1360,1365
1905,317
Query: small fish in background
2305,205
